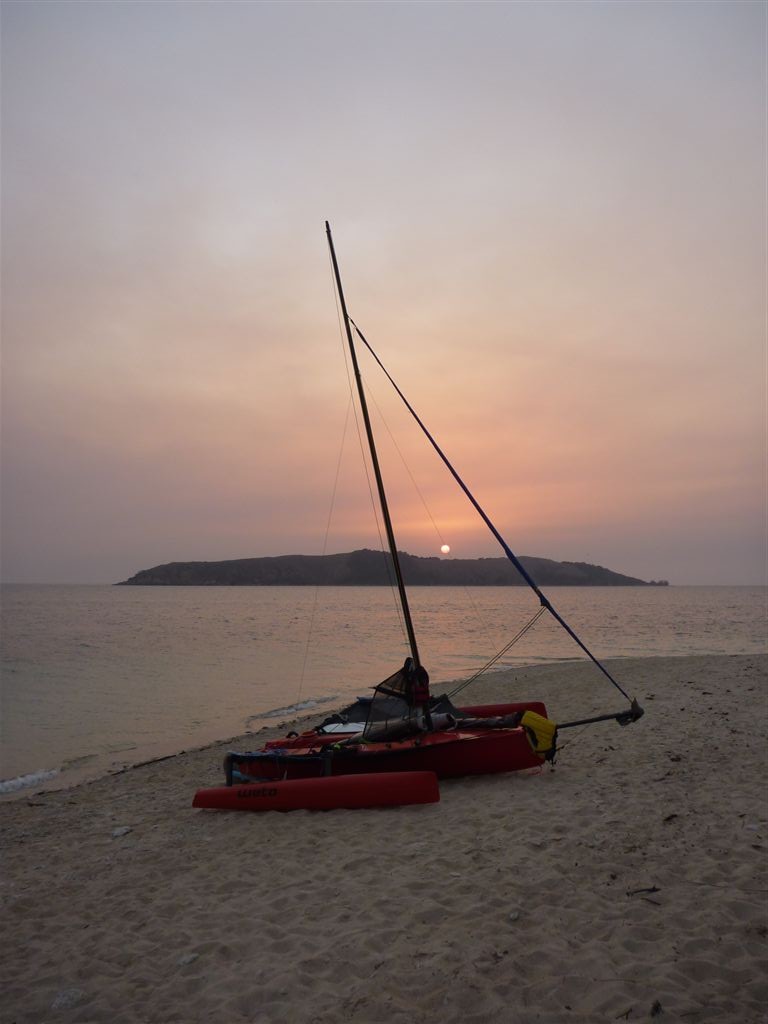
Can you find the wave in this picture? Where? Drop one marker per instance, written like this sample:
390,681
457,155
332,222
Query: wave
77,762
26,781
291,709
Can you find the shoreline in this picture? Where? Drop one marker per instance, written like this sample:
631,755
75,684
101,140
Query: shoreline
108,687
54,780
633,874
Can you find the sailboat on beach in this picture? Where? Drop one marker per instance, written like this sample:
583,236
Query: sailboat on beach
403,731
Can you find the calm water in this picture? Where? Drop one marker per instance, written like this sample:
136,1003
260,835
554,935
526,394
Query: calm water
95,677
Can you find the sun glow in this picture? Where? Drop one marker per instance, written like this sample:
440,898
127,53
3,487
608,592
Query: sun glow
445,549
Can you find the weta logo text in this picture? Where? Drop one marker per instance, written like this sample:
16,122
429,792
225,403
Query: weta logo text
264,791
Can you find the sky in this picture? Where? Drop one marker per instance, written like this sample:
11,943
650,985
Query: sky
550,220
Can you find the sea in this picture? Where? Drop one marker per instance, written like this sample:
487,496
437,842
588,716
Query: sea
96,678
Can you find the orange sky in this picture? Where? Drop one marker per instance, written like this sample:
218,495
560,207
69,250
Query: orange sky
551,224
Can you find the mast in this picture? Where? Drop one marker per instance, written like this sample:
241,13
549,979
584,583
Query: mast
375,461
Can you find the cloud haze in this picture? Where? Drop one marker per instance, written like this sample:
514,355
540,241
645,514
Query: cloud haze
550,220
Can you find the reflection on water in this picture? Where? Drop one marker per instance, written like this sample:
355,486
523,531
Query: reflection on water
95,677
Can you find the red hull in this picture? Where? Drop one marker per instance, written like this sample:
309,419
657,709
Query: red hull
447,754
324,794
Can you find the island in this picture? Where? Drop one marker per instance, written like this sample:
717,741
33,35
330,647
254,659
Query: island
368,568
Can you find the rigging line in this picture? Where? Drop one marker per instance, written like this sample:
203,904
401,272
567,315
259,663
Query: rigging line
564,744
387,566
383,503
375,510
405,464
506,648
382,546
467,592
505,547
313,612
500,654
476,611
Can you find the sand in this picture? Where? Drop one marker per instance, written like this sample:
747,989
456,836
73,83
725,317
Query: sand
629,883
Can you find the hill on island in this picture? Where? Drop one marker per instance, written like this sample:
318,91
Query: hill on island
374,568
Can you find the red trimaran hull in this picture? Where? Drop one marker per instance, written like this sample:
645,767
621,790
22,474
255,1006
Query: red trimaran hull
449,754
294,773
350,792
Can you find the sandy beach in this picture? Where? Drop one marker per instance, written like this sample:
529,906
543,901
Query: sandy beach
627,883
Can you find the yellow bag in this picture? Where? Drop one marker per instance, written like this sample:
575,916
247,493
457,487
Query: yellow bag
541,733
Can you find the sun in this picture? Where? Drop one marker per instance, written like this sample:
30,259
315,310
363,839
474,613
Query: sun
445,549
